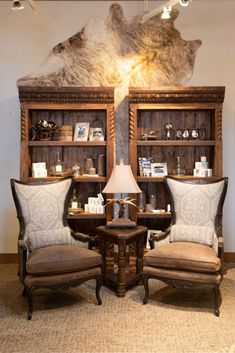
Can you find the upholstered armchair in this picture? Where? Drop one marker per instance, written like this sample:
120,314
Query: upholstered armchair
50,253
190,252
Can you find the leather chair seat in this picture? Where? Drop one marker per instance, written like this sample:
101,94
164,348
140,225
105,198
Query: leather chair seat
184,256
59,259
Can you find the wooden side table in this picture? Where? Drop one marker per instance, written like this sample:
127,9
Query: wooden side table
122,280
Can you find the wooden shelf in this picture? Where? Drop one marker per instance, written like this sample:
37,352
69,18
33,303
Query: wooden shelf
177,143
78,180
67,143
160,179
87,215
153,215
90,179
150,179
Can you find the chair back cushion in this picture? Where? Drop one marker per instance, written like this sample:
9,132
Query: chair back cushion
59,236
196,204
42,207
195,207
194,234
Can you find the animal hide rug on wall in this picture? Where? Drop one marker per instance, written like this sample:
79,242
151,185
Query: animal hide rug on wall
119,52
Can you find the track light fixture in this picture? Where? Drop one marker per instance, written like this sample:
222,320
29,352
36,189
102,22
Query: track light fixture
166,14
164,9
184,2
17,5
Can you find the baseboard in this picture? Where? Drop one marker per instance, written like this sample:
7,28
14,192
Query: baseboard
8,258
229,257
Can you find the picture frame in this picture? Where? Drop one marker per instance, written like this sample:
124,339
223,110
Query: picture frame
96,134
145,166
81,131
158,169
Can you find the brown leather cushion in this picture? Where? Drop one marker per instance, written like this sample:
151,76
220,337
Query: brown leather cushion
59,259
58,279
181,275
183,256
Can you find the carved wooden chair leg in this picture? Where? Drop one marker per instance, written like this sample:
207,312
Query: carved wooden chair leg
146,287
24,292
216,291
30,302
97,291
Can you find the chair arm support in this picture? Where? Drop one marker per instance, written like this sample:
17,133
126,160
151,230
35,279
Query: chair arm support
157,237
221,240
23,256
81,236
220,247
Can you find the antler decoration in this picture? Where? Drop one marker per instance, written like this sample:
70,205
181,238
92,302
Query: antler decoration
121,203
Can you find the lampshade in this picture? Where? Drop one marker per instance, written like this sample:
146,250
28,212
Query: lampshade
121,181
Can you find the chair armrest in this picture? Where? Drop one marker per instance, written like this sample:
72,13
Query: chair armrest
157,237
22,245
81,236
23,251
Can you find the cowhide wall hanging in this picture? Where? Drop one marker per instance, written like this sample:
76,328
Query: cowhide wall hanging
120,53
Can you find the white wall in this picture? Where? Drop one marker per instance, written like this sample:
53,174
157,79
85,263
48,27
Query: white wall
26,39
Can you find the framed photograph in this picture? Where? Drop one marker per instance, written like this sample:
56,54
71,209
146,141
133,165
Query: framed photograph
96,134
145,166
81,131
158,169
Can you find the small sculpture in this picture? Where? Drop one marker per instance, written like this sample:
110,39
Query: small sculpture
150,135
194,134
76,170
178,170
43,130
178,134
185,134
168,128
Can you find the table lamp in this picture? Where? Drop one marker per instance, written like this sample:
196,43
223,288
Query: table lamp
121,182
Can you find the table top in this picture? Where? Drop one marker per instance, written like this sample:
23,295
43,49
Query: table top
122,233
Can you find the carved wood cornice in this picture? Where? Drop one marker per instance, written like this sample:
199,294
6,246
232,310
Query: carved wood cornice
60,95
178,94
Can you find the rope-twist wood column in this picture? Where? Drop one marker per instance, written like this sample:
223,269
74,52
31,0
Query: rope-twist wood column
218,127
131,124
121,290
23,124
132,257
109,256
112,125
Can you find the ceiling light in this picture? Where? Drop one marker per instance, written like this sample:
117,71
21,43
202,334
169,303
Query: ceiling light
17,5
166,14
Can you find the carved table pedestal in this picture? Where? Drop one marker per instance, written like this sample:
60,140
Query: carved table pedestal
124,278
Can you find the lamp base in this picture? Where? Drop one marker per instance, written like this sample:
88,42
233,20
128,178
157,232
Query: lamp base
121,223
